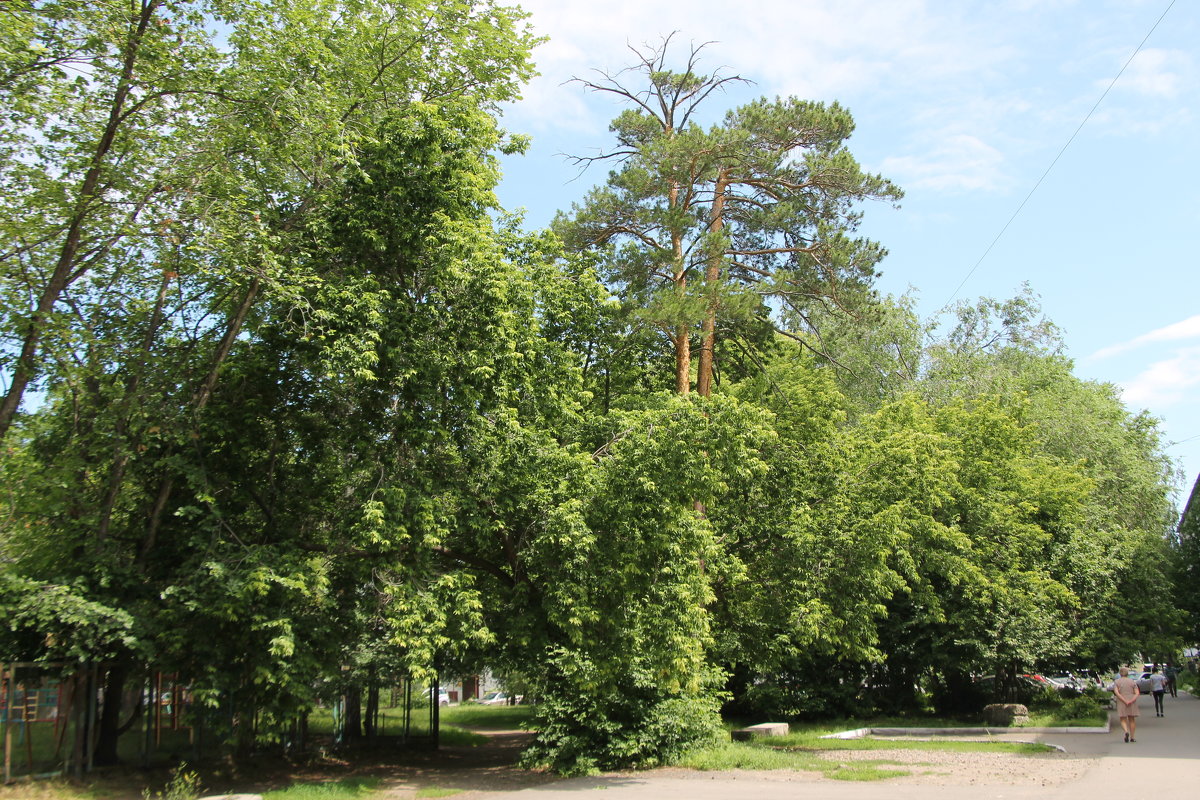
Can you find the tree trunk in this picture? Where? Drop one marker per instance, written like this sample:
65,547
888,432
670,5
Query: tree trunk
352,730
681,340
683,360
109,725
712,274
372,715
199,401
61,277
121,458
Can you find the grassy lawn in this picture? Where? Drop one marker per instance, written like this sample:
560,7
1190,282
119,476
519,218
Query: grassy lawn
801,750
1039,719
738,755
347,789
1056,720
493,718
457,724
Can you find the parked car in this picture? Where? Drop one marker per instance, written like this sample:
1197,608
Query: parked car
494,699
443,699
1022,688
501,699
1042,681
1142,680
1066,680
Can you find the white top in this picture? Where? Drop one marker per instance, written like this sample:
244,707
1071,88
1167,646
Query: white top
1158,682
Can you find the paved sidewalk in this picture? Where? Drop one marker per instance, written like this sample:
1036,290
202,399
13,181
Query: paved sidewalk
1163,763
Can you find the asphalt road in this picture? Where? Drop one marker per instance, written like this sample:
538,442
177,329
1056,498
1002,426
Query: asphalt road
1163,764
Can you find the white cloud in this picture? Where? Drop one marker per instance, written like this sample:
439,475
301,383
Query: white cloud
951,98
1175,332
1166,382
818,49
1158,73
956,163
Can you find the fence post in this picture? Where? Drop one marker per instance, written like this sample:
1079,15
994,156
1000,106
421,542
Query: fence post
92,733
6,675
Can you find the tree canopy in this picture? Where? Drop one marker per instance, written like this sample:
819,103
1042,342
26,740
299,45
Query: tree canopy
314,415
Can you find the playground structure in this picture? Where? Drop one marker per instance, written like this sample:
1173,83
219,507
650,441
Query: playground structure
49,714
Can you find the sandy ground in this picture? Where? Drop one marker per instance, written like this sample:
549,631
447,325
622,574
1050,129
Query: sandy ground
1165,761
941,768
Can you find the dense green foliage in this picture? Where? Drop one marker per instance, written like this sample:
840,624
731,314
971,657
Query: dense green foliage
315,416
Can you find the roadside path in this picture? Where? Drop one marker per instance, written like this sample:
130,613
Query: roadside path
1163,763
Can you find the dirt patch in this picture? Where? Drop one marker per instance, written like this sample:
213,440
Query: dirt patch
487,767
947,768
491,767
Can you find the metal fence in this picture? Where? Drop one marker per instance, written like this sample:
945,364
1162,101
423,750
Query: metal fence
50,715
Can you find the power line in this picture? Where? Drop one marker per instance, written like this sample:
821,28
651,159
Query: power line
1181,441
1060,152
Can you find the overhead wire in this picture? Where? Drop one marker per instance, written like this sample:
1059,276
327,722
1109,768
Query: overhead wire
1061,151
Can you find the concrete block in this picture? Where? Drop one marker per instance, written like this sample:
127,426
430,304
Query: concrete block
762,729
1005,714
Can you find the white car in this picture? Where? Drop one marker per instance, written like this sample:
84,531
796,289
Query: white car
1142,681
494,699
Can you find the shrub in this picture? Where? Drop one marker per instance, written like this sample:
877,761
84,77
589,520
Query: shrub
1080,707
585,725
183,785
1047,700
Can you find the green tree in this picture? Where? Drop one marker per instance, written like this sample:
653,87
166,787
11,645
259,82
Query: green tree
131,139
1187,569
705,225
625,573
1122,548
134,495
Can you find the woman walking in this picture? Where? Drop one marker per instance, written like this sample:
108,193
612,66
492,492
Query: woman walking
1125,689
1158,686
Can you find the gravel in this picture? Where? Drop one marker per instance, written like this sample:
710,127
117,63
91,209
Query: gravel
940,767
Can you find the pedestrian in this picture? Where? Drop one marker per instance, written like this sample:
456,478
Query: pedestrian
1171,672
1126,691
1158,685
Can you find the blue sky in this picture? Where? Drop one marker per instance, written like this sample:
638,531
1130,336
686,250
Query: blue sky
965,105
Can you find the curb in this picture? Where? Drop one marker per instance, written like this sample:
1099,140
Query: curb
858,733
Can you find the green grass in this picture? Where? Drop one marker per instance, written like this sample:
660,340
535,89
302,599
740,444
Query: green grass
738,755
472,715
872,770
802,751
345,789
391,723
1053,719
436,791
1047,719
56,789
813,744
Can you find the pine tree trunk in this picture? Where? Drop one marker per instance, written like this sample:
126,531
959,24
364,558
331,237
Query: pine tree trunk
683,360
712,274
